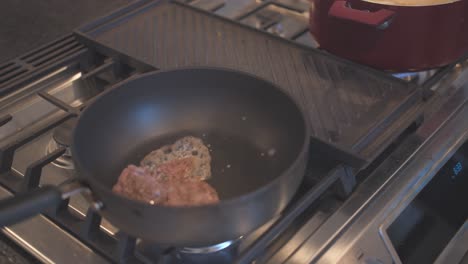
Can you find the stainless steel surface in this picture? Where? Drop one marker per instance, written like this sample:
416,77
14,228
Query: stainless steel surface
350,235
264,18
278,21
208,5
297,5
307,39
328,244
314,224
65,161
457,247
236,9
421,168
336,232
28,109
48,242
285,18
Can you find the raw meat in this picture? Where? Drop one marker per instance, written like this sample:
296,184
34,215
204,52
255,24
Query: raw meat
186,147
190,193
139,184
172,180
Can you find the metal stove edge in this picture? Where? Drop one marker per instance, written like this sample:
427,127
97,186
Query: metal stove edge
343,235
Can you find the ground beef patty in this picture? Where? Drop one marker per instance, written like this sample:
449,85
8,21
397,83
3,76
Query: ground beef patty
174,182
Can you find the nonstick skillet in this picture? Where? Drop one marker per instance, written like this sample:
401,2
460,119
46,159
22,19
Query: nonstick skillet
258,135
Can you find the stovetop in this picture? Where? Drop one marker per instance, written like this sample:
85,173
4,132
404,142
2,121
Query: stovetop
288,19
51,84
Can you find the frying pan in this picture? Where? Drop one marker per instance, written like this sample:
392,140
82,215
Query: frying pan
258,135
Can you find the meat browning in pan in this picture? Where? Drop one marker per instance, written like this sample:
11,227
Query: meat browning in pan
139,184
172,175
186,147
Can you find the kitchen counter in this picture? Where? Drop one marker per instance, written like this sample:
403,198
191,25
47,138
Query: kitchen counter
28,24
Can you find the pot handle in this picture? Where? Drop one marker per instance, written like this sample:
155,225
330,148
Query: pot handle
25,205
380,19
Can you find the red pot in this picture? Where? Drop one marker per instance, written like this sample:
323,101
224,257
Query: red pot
392,37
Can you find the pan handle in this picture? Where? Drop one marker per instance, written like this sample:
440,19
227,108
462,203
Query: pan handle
380,19
25,205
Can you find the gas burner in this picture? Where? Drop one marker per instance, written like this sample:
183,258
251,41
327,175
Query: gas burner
62,137
416,77
221,253
208,249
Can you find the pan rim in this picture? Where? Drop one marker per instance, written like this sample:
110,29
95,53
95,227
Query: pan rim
84,175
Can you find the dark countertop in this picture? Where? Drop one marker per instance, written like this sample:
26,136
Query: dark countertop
27,24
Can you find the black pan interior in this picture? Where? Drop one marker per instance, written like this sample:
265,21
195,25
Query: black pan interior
254,131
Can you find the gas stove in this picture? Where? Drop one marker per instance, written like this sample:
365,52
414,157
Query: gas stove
288,19
43,92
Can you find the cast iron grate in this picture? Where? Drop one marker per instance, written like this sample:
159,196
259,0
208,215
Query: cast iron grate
121,248
87,230
39,62
122,63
